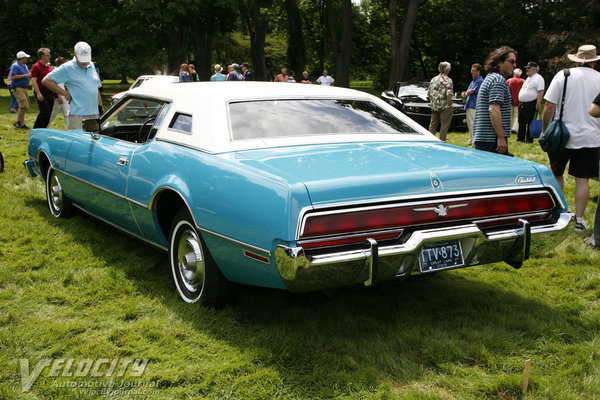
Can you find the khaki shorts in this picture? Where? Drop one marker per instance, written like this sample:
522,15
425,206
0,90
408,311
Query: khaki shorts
74,122
22,96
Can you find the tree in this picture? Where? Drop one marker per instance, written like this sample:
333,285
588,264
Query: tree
257,24
295,50
342,49
400,46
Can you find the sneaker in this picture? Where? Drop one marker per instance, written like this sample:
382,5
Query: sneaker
18,126
579,226
12,111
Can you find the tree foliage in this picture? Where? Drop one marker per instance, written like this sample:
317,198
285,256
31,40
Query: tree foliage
380,40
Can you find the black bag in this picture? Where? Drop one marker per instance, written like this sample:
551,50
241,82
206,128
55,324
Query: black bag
557,135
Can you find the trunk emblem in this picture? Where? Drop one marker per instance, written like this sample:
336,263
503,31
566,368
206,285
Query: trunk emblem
441,210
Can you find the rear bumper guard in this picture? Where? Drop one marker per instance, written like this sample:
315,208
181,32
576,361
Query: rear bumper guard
301,272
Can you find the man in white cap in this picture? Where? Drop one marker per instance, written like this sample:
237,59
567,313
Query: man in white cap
583,148
82,82
20,82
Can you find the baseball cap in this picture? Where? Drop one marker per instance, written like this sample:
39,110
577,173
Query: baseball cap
22,54
531,64
83,51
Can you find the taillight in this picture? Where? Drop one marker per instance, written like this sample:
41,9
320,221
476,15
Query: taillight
399,217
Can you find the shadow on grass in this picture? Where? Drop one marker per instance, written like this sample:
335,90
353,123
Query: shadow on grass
391,334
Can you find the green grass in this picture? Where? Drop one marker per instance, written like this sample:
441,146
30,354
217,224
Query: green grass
78,289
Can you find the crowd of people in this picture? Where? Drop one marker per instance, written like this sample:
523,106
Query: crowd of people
503,102
79,100
237,72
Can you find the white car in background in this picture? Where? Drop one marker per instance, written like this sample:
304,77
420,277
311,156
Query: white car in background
141,80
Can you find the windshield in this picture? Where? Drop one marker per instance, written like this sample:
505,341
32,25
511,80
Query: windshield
280,118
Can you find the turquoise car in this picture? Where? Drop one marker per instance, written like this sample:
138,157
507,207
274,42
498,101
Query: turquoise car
292,186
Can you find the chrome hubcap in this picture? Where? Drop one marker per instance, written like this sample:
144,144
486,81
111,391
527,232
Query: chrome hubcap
190,260
56,194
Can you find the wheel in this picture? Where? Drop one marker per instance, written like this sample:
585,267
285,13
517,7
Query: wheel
59,204
195,273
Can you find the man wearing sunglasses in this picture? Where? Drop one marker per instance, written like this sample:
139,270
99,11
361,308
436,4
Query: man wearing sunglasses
492,115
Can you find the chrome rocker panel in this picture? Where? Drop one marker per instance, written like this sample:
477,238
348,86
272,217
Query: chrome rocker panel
302,273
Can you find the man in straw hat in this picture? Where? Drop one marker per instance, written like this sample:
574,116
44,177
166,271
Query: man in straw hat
583,148
218,76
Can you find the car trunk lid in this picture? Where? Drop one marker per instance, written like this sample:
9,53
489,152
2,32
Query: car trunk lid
358,172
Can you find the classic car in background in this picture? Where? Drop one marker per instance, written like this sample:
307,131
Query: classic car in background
411,99
143,79
293,186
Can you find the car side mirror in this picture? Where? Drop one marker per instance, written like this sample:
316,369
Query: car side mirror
92,126
390,93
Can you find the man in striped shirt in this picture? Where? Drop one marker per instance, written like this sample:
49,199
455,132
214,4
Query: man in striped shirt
492,115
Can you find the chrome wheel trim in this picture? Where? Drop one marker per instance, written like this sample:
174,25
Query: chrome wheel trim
55,194
190,260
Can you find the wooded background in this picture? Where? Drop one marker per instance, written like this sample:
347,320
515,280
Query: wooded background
382,41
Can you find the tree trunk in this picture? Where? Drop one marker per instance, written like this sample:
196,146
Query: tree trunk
257,27
203,40
295,52
342,52
176,44
399,70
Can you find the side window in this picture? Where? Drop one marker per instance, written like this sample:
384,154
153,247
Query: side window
134,120
133,112
181,122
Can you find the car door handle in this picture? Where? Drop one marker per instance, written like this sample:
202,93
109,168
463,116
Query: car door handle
123,161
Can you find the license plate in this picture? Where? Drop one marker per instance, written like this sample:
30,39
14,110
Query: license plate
441,255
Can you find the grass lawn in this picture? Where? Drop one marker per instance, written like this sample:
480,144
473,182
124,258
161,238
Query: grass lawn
81,296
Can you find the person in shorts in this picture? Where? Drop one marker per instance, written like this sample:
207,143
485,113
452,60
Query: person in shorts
582,151
20,82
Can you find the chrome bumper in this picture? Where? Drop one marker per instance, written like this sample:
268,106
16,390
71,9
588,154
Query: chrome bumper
31,167
301,272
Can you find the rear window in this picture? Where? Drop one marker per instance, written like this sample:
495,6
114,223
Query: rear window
281,118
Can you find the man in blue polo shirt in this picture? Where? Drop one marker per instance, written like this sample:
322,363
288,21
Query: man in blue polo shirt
471,98
20,82
82,82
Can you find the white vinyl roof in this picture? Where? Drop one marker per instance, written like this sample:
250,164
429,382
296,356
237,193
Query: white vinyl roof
207,103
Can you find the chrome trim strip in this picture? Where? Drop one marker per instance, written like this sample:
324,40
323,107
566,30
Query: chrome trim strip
432,195
173,142
137,203
160,247
235,241
352,236
516,191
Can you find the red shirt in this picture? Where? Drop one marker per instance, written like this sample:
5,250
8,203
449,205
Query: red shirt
39,71
515,84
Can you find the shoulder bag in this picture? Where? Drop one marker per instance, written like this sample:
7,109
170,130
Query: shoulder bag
556,136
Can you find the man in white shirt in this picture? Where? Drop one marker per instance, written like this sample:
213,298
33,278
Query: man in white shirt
583,148
325,80
530,100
